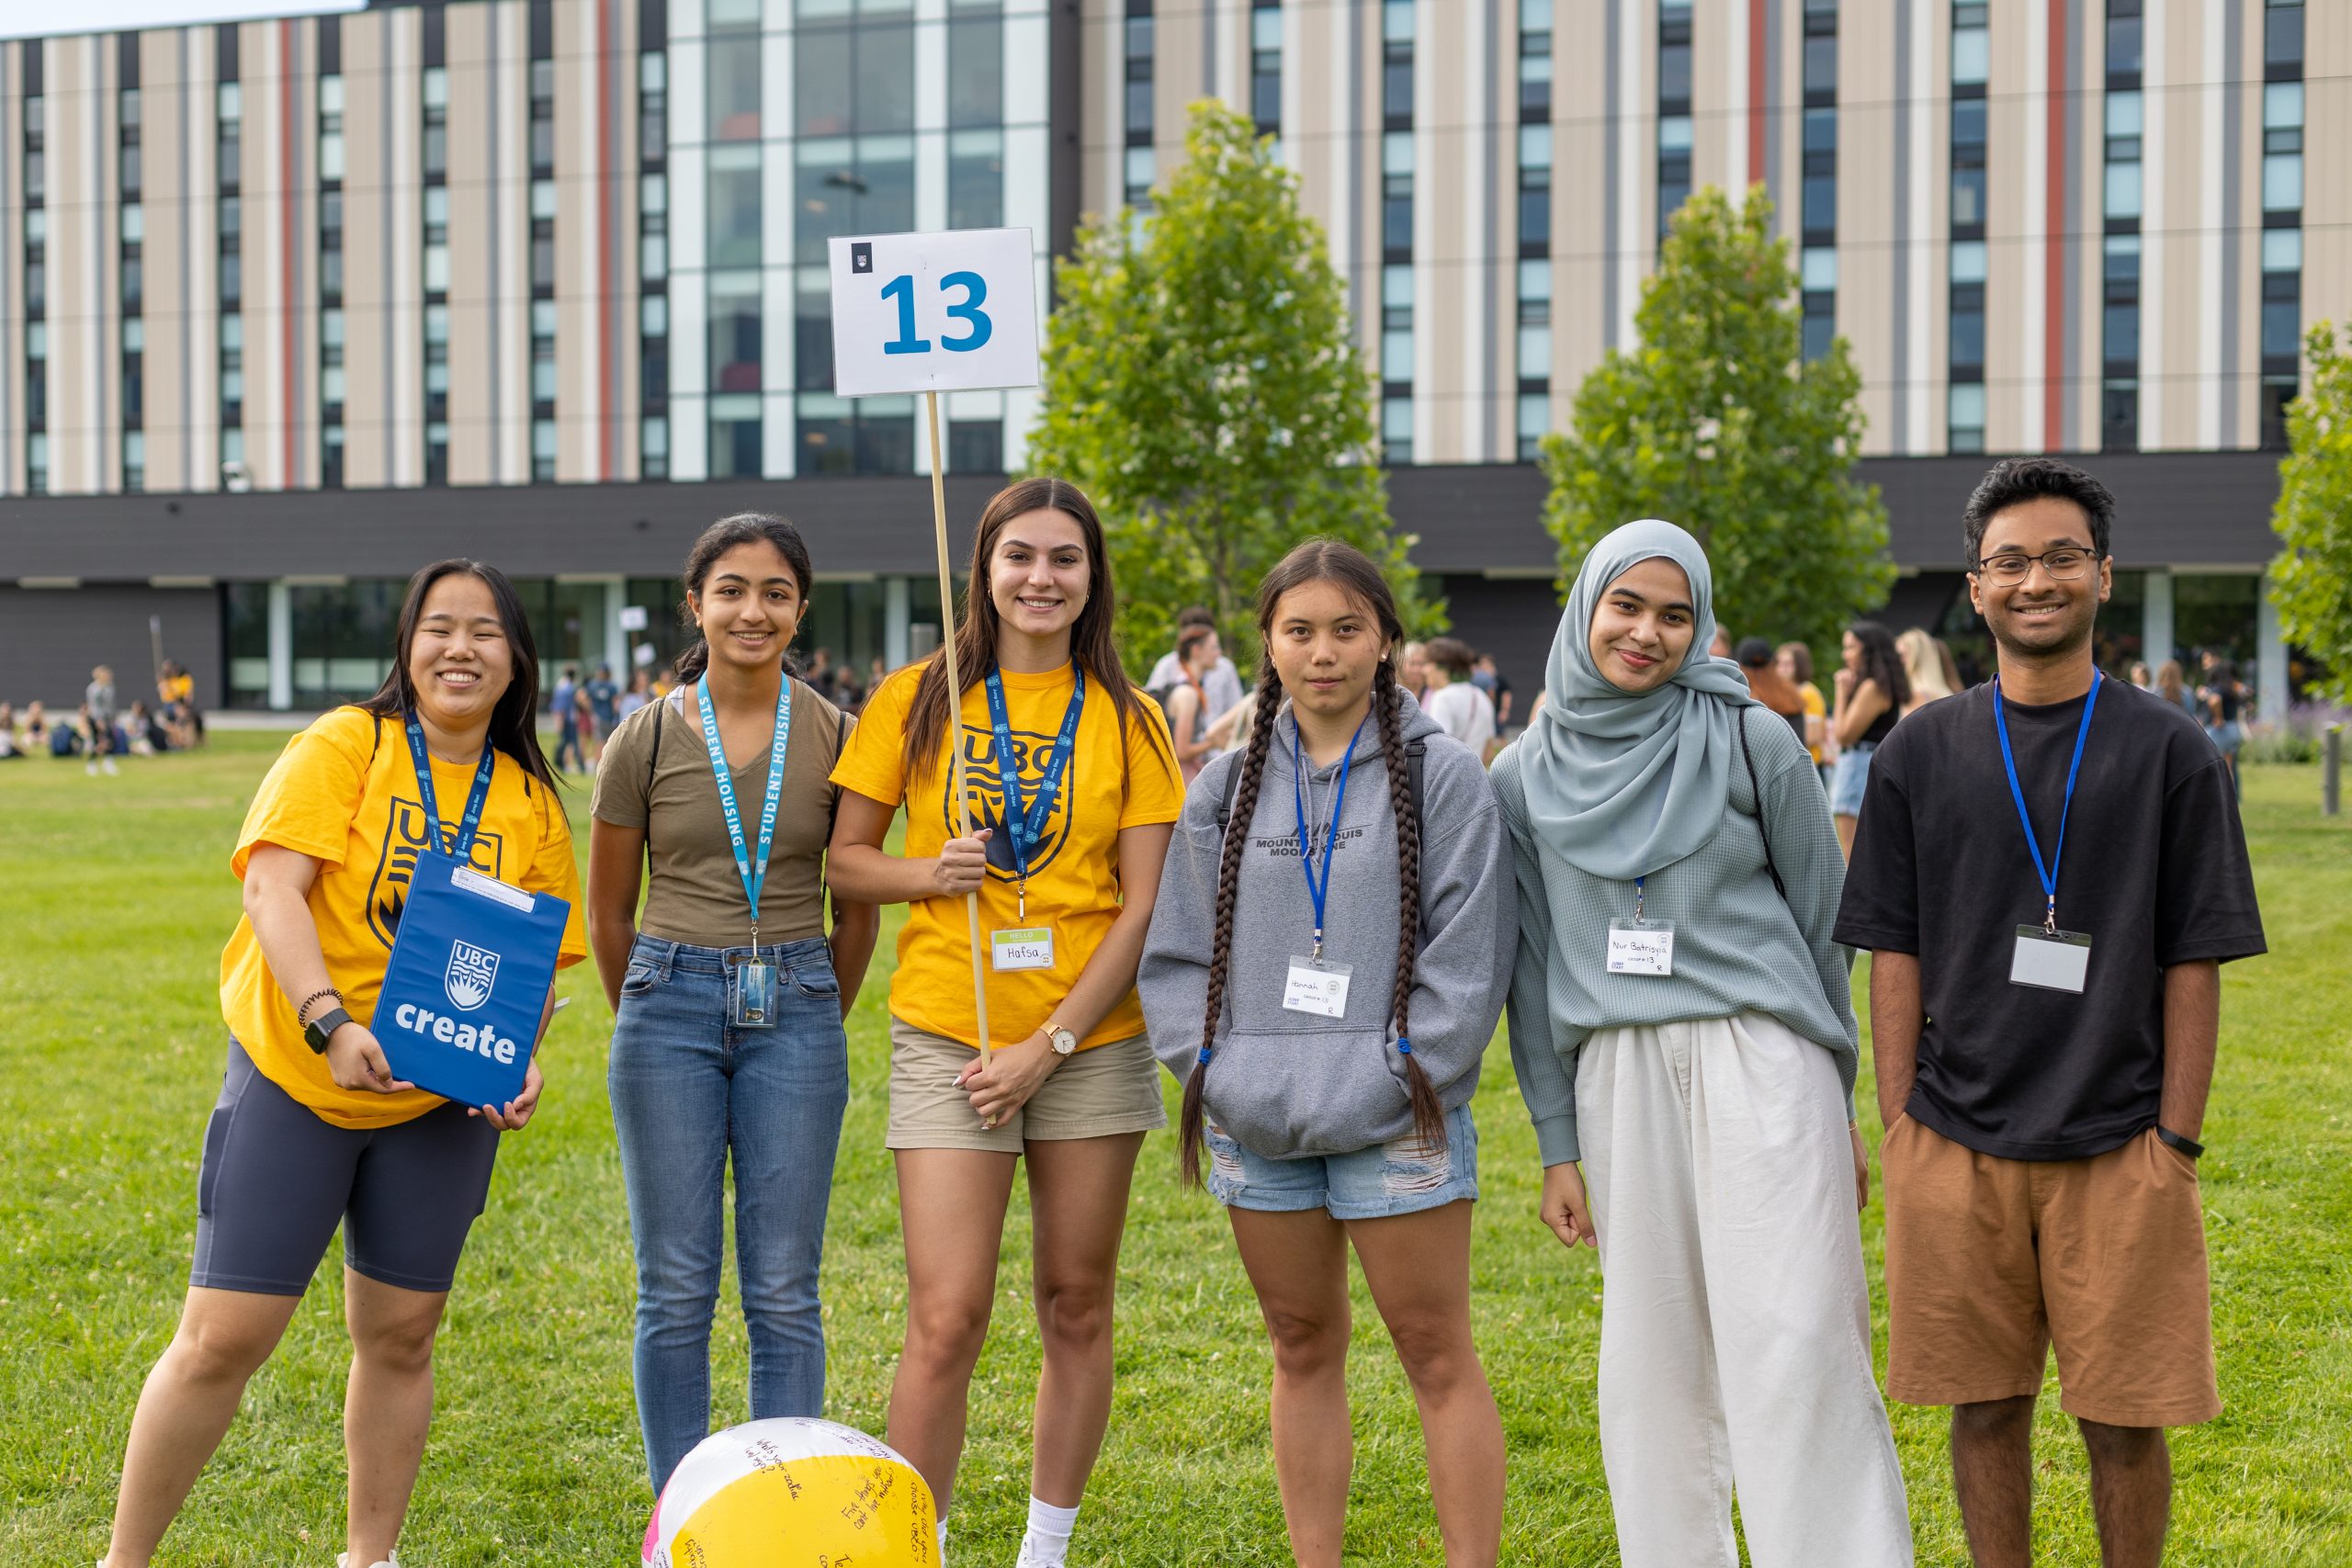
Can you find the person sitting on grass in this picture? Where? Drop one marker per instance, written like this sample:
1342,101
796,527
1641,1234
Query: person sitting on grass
312,1130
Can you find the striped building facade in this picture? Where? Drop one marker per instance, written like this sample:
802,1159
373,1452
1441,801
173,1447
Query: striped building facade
543,280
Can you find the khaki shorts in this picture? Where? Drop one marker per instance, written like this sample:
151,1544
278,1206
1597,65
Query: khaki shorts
1991,1263
1113,1088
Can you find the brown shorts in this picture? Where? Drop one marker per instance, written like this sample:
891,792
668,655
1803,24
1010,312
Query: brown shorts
1992,1262
1112,1087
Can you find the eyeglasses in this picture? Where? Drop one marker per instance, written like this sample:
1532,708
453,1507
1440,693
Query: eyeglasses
2064,564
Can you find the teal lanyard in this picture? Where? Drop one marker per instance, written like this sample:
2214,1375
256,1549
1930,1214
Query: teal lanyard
752,873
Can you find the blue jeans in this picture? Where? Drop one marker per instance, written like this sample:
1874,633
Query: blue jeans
688,1090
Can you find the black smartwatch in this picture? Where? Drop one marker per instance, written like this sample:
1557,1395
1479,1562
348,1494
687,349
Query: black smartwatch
320,1029
2171,1139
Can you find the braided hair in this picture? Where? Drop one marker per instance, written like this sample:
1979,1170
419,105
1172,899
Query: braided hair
1352,570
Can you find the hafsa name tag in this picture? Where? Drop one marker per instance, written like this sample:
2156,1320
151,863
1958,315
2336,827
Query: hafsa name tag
2052,961
1030,948
1641,947
1316,987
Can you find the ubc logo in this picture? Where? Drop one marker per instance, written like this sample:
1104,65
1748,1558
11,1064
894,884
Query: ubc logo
404,834
984,793
472,971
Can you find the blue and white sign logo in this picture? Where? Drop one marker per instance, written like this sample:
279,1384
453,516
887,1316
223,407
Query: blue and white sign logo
471,973
955,311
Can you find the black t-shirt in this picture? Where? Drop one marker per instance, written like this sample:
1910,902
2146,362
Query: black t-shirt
2155,871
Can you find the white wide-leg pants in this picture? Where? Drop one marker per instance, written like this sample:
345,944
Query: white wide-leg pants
1734,1337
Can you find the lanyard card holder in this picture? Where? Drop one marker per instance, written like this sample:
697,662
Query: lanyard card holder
470,976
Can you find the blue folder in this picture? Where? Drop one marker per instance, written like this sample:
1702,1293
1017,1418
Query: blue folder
468,979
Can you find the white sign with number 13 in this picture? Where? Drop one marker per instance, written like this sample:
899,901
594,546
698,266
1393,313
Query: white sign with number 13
944,312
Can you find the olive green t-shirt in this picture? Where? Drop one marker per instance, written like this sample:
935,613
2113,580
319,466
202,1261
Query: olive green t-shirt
693,894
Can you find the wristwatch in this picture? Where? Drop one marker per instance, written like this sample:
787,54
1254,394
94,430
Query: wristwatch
320,1029
2171,1139
1062,1040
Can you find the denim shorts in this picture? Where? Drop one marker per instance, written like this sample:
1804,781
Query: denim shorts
1400,1177
1849,778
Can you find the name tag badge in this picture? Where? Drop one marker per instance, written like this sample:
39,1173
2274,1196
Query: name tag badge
1318,988
1028,948
1641,947
2059,962
754,1005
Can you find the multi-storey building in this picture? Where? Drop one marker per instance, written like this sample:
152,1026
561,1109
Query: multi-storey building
288,307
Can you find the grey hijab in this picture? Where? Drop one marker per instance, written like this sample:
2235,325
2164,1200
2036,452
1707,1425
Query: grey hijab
1621,786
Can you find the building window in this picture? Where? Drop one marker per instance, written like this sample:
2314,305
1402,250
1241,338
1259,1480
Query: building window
229,134
432,97
1534,60
975,72
1397,195
1972,43
1818,284
1138,106
1535,190
1397,63
1673,109
134,460
232,370
2120,264
129,270
435,98
2282,215
1964,425
653,250
975,179
735,375
1967,346
1396,289
331,343
1266,66
1967,423
1534,355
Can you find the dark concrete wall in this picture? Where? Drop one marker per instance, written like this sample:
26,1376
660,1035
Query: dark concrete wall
50,638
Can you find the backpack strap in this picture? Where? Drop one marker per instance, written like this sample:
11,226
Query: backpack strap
1739,721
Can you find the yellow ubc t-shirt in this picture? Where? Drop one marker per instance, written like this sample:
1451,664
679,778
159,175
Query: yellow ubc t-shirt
1113,781
343,791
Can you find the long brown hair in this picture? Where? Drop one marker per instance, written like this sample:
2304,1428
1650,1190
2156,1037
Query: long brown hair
1091,646
1322,561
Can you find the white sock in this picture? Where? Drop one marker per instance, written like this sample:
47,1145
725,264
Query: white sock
1047,1543
942,1543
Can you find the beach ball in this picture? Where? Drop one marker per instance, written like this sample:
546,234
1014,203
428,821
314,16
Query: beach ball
793,1492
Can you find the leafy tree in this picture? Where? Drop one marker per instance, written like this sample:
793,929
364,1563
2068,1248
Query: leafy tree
2311,580
1204,385
1718,422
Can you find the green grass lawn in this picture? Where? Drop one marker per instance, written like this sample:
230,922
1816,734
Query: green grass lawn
116,899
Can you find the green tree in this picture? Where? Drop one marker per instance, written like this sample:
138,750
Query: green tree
2311,580
1203,385
1718,422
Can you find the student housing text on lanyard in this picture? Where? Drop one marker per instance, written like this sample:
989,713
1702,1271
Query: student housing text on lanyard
1314,985
753,1006
2045,956
1029,947
469,977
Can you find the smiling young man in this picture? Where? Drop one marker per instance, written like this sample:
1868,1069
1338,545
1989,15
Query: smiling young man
2049,872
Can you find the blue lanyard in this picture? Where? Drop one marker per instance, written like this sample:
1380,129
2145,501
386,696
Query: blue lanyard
1318,890
1025,827
753,874
475,800
2049,874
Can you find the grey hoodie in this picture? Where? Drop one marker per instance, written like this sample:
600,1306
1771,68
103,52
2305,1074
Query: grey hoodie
1285,1084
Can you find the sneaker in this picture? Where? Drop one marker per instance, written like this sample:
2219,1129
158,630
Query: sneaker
111,767
342,1560
91,769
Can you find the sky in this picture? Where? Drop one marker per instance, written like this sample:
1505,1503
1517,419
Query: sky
20,18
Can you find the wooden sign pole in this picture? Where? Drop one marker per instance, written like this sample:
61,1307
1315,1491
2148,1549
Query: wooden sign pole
955,707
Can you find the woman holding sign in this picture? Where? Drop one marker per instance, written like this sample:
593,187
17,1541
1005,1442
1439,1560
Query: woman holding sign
713,802
314,1128
1071,771
1324,973
1680,1023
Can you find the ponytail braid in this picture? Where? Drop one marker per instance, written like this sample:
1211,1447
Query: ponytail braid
1428,1115
1252,764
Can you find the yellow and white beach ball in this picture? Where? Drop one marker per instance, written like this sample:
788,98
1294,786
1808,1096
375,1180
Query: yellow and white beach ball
793,1492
